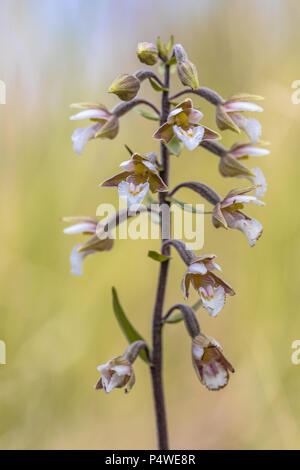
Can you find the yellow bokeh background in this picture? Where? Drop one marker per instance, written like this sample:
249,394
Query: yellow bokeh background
58,328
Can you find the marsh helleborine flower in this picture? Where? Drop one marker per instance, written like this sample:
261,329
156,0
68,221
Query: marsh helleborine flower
230,165
183,122
210,364
228,115
147,53
105,125
140,174
88,226
116,373
228,213
126,87
211,288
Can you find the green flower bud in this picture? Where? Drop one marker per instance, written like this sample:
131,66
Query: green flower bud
188,74
125,87
147,53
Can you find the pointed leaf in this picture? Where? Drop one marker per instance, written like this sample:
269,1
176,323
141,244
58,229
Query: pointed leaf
127,328
147,114
155,86
158,256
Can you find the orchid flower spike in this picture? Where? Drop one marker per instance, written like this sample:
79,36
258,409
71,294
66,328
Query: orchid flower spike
231,165
183,123
228,115
140,174
85,225
228,213
105,125
211,288
211,366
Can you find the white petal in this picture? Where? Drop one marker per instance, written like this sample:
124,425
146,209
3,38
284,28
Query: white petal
249,150
76,260
243,199
90,114
214,382
214,304
242,106
81,137
197,268
253,129
122,370
197,351
114,382
174,112
251,228
103,366
80,228
190,138
133,195
261,180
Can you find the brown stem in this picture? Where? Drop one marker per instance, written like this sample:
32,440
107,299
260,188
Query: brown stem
206,93
156,369
125,106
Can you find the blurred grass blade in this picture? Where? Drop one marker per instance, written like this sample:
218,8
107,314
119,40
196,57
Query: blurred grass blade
127,328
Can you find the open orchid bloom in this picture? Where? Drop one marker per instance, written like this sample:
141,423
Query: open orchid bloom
210,364
88,226
140,174
228,115
105,125
211,288
117,373
228,213
231,165
183,123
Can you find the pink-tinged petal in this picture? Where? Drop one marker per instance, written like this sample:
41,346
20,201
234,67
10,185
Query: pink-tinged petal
133,194
185,285
81,136
80,228
232,106
209,134
191,138
90,114
214,303
164,133
248,150
76,260
103,366
216,380
128,165
220,282
242,199
259,180
197,268
194,116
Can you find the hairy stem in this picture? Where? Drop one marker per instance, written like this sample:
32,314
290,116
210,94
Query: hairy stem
206,93
125,106
156,369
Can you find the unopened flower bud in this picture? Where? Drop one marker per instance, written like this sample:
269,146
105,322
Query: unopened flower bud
188,74
125,87
186,70
147,53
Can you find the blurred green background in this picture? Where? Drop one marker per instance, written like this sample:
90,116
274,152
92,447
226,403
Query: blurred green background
57,327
